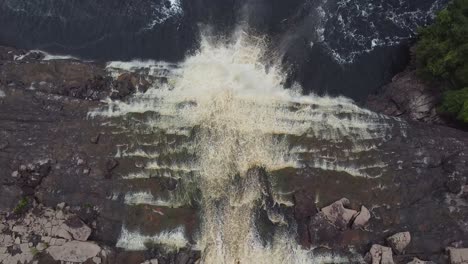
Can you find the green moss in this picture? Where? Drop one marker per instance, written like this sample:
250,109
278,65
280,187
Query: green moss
22,204
34,251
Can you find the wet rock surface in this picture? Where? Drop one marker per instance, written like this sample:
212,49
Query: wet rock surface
409,97
54,154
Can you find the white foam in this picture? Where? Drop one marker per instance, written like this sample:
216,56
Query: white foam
47,56
137,198
348,39
141,153
239,106
173,239
162,13
137,175
174,167
2,94
154,68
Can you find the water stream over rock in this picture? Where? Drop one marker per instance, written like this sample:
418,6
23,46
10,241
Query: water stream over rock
220,127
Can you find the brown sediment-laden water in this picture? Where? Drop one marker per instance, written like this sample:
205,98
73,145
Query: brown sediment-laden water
222,126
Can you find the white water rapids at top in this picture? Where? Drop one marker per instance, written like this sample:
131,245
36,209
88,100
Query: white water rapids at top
231,111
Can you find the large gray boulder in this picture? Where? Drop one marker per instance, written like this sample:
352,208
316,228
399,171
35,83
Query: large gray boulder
338,215
78,230
458,255
381,255
399,241
418,261
362,218
74,251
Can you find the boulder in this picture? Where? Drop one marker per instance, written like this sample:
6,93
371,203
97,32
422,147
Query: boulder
74,251
124,86
399,241
418,261
458,255
338,215
78,230
381,255
362,218
41,246
60,206
61,232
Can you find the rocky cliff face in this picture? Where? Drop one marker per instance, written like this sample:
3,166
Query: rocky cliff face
51,153
410,97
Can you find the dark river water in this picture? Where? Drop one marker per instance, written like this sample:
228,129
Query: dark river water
348,47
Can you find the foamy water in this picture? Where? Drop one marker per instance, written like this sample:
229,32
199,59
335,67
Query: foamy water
237,119
47,56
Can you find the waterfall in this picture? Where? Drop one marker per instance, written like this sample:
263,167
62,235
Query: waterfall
220,125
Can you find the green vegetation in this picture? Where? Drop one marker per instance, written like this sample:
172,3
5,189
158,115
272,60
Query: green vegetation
455,103
34,251
442,55
22,204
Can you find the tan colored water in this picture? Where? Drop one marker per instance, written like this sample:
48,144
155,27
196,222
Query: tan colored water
242,117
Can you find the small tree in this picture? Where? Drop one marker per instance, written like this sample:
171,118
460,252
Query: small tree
442,50
455,103
442,55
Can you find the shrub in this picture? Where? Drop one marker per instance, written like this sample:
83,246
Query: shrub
442,55
22,204
442,50
34,251
455,103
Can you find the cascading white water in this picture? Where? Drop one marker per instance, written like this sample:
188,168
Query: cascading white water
236,117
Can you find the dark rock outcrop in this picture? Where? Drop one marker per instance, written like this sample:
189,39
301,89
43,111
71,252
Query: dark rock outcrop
420,187
409,97
66,77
